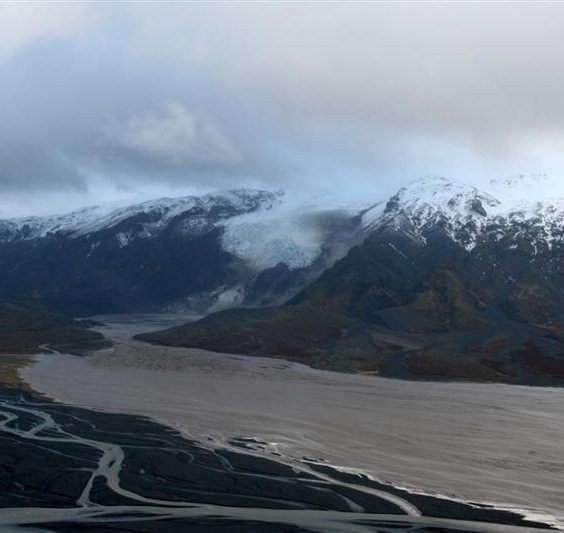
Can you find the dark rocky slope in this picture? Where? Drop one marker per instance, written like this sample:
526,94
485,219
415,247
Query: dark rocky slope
26,326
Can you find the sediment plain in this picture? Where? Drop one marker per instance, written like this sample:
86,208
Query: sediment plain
488,443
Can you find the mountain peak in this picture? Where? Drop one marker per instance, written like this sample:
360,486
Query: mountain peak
436,201
442,192
519,205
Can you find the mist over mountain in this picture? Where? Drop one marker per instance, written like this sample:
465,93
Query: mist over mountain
138,102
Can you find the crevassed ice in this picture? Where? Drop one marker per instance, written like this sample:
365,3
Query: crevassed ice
265,243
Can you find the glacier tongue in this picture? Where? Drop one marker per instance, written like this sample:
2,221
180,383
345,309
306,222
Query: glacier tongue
298,231
266,239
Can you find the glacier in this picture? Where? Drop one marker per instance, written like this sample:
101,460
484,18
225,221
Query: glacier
265,228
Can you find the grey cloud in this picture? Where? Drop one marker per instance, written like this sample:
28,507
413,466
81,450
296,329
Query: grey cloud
362,96
174,135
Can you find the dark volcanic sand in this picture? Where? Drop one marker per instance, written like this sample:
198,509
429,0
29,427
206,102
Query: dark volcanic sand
70,469
470,442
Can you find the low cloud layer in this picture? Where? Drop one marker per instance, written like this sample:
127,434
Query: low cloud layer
174,136
131,100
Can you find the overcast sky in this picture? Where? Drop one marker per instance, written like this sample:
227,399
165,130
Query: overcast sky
127,101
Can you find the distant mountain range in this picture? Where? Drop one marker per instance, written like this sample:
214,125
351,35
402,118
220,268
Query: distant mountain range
450,282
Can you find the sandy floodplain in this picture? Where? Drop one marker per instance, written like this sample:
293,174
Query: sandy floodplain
491,443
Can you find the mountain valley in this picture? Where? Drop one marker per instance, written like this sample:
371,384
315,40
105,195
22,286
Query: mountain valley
450,283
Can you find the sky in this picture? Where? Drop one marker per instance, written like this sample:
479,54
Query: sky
125,101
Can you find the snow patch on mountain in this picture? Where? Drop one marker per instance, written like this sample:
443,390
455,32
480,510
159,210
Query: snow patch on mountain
459,209
123,239
27,228
155,215
466,214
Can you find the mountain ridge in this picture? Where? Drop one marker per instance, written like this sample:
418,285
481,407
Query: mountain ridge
96,218
481,282
245,247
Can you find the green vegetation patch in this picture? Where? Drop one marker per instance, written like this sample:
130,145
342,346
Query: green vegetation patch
10,366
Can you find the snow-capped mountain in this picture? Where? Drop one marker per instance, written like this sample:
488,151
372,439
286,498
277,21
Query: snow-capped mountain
242,247
153,216
458,209
508,210
452,281
256,248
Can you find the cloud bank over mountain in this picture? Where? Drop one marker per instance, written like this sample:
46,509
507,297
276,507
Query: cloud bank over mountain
103,102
